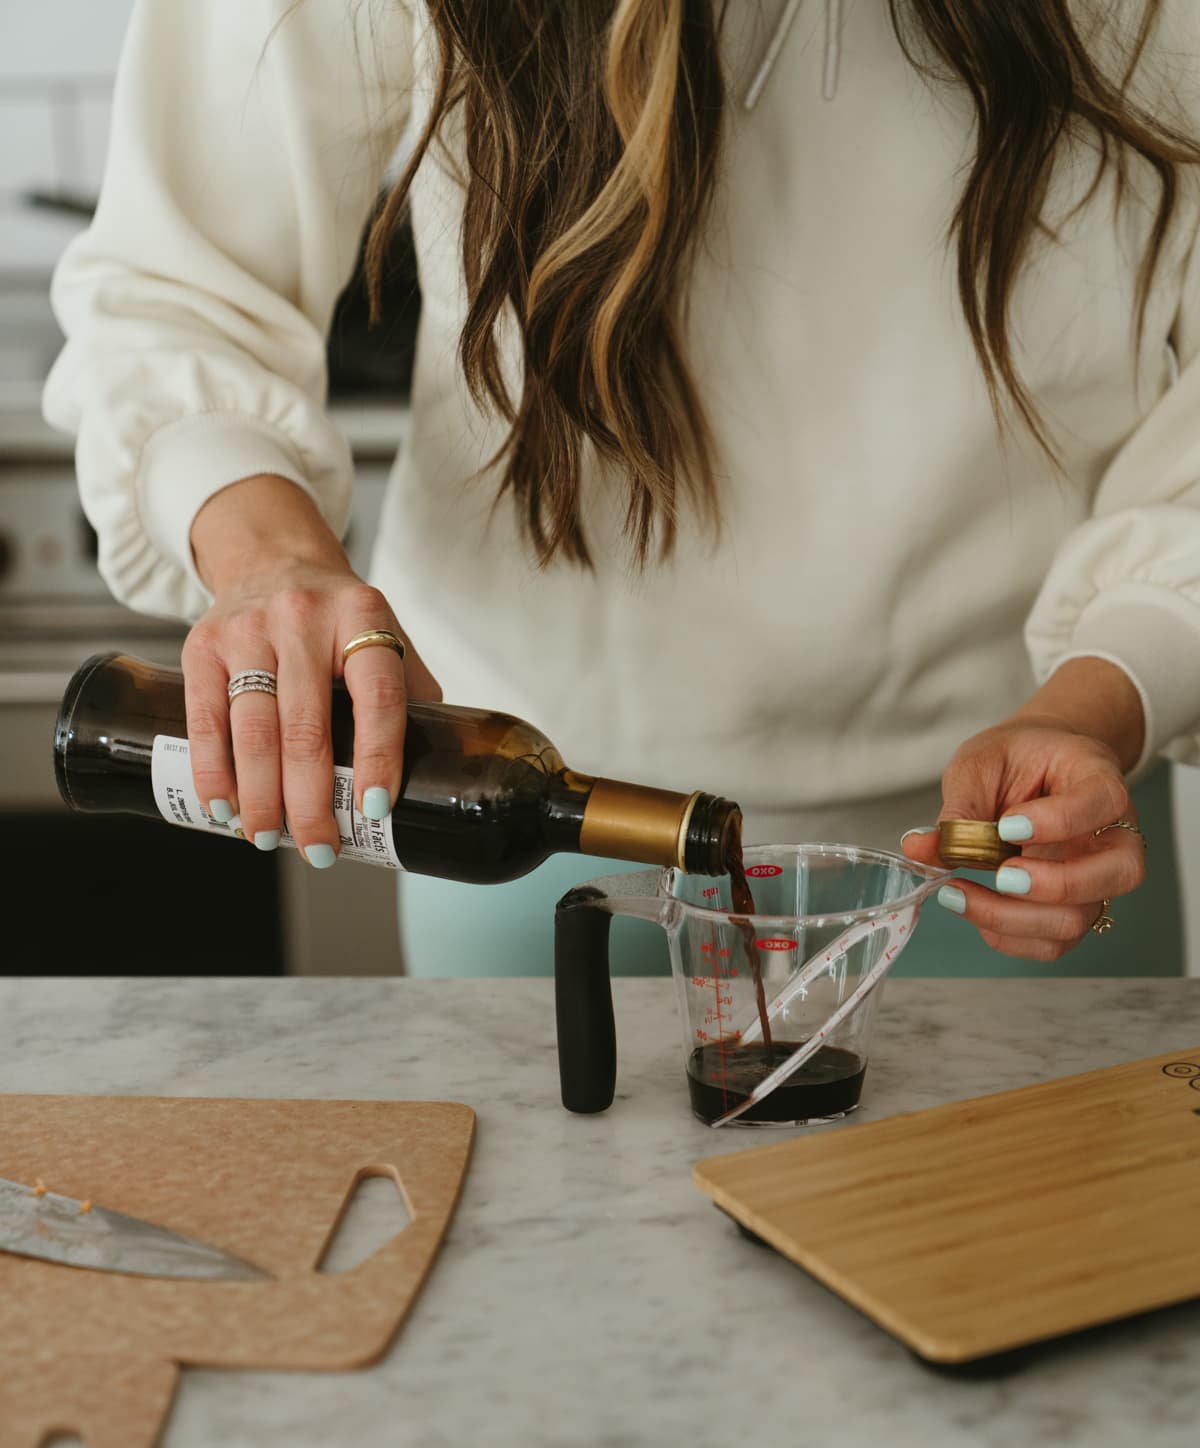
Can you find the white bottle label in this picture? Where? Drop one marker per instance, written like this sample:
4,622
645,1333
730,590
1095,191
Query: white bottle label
175,796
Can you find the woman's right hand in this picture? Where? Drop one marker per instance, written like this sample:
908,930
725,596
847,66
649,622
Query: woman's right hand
286,599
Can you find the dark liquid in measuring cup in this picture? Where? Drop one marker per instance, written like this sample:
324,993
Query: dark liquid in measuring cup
743,903
722,1075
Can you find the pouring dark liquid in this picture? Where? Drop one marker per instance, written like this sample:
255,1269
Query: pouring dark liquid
722,1074
743,903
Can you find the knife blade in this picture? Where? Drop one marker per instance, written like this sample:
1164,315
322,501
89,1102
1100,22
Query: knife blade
55,1228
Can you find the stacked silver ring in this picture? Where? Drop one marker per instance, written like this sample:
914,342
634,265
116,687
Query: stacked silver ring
252,681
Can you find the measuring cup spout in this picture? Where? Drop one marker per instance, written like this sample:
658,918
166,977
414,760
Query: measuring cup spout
587,1041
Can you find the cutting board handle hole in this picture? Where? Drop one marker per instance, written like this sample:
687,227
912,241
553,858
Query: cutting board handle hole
373,1213
64,1440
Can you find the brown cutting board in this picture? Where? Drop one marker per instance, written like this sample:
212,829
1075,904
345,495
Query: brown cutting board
971,1229
98,1354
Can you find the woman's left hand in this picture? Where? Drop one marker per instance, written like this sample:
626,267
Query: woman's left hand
1051,787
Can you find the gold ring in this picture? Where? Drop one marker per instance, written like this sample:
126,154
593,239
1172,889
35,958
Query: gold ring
374,638
1122,825
1104,920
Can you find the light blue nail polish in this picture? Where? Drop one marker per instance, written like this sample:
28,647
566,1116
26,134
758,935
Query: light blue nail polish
376,802
221,810
1015,828
952,899
918,830
320,857
1011,881
266,840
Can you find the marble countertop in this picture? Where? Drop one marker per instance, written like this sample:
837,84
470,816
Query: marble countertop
587,1294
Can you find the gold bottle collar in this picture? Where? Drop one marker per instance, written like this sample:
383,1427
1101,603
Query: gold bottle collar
632,822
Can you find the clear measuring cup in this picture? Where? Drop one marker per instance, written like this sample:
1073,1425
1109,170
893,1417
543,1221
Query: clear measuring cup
804,970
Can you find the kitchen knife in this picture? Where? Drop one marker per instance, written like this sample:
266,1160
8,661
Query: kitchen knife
57,1229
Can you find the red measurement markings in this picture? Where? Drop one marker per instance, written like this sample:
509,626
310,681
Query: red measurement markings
713,1015
717,959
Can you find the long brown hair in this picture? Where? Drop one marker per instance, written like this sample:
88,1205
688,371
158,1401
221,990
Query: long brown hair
592,131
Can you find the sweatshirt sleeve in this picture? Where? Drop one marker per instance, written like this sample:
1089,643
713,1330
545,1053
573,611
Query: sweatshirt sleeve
249,141
1125,584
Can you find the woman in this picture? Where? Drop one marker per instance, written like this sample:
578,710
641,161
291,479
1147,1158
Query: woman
793,417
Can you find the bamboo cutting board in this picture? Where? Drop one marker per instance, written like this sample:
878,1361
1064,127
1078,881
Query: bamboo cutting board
971,1229
98,1354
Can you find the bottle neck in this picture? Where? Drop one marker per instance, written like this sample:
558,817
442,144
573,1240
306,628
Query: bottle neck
691,832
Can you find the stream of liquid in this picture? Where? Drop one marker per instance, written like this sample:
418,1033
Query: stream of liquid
743,903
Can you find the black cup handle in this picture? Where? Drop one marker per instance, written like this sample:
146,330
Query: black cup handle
587,1036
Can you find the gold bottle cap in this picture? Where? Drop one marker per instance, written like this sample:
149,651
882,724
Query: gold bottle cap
973,845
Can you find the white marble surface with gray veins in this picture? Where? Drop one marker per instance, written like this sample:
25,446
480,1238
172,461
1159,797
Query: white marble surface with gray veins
587,1293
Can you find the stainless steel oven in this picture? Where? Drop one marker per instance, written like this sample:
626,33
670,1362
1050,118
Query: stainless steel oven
128,896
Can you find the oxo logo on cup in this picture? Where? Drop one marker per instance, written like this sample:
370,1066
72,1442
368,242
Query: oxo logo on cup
763,872
775,942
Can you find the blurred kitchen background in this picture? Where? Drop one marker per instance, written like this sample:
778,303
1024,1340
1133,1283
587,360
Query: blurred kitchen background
131,896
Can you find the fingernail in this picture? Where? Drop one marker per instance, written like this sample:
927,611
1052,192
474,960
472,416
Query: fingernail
953,899
918,830
221,810
320,857
376,802
1011,881
1015,828
266,840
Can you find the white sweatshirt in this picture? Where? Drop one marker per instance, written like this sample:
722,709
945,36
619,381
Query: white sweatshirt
888,579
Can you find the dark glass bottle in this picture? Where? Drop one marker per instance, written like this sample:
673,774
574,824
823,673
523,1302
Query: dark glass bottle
485,797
